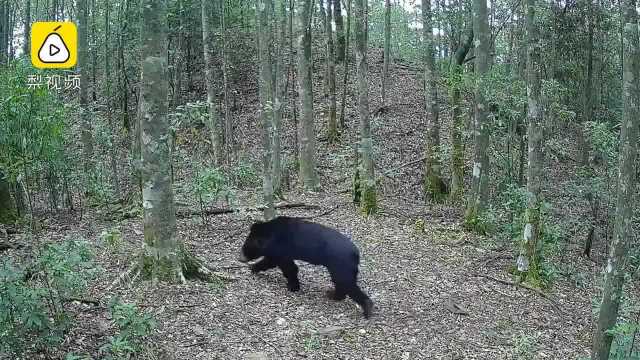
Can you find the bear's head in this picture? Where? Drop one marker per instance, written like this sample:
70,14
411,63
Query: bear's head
254,244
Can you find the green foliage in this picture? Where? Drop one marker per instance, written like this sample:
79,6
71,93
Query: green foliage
405,40
133,327
624,346
32,130
604,141
32,312
210,184
112,237
525,346
244,175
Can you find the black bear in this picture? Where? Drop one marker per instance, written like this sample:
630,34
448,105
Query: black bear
284,239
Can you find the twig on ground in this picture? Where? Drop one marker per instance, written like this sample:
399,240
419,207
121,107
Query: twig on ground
218,211
522,285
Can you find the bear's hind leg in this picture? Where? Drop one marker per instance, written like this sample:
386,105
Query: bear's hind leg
340,287
262,265
290,272
361,299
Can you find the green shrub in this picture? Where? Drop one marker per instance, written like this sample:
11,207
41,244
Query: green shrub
32,302
133,326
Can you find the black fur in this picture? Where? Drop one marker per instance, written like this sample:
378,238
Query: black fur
284,239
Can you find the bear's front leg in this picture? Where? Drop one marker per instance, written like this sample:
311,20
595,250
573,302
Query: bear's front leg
290,272
262,265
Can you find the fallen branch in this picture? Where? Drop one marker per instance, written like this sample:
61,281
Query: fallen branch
521,285
405,165
218,211
84,301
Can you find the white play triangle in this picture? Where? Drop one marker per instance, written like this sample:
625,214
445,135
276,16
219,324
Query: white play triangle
53,49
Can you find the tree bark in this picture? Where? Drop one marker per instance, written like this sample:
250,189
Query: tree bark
307,131
623,228
266,87
280,83
457,155
214,116
332,121
7,207
434,187
162,258
86,136
587,108
345,75
340,36
26,42
478,197
229,140
387,49
528,262
364,179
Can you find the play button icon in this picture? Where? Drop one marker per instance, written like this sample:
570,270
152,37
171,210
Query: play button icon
53,49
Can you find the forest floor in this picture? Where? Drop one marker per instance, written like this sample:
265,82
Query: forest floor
439,294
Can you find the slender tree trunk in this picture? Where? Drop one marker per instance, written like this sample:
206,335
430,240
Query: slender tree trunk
587,110
26,44
229,140
340,37
457,154
280,83
266,86
623,227
387,50
364,179
325,23
307,135
162,255
94,52
478,196
434,187
4,29
7,207
108,99
86,135
528,262
179,57
345,75
214,118
332,121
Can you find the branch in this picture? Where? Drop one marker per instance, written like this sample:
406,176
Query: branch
218,211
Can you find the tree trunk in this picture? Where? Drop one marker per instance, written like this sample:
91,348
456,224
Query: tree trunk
364,180
86,135
528,262
214,117
108,99
307,135
623,229
345,75
264,28
457,152
587,109
340,37
434,187
332,121
7,207
387,49
163,257
478,197
280,83
229,140
26,45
